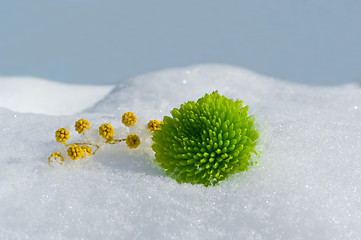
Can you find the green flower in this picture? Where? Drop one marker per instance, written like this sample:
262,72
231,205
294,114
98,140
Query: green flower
206,141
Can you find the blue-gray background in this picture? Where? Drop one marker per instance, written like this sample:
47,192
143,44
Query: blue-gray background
103,42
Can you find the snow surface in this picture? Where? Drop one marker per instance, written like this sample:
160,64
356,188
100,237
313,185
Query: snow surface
306,185
36,95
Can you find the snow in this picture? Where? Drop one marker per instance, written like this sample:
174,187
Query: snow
306,185
36,95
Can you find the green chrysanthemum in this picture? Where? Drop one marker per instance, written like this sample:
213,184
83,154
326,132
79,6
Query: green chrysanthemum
206,141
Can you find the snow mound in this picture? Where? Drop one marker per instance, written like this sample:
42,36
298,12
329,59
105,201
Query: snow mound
35,95
157,90
306,185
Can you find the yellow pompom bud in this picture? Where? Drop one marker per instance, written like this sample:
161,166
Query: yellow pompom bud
81,125
106,131
75,152
132,141
87,151
153,125
129,119
55,158
62,135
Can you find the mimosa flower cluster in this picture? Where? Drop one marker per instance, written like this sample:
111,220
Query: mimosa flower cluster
79,150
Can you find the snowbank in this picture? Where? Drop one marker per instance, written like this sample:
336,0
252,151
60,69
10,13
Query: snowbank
306,185
28,94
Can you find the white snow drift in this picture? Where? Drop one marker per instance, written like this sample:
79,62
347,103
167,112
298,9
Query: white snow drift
25,94
306,185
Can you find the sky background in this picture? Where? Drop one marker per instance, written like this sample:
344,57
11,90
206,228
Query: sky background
104,42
